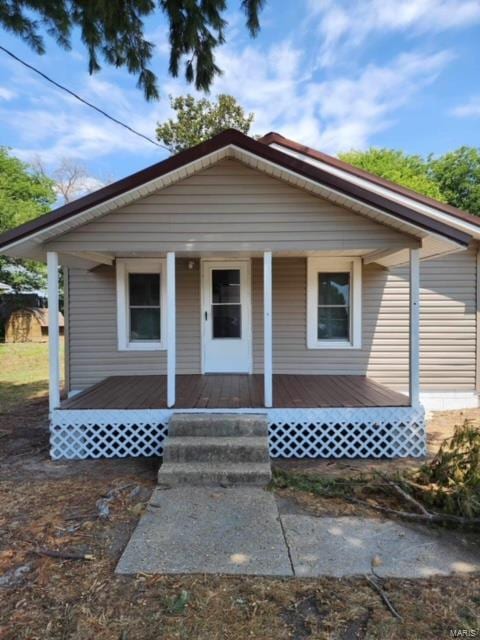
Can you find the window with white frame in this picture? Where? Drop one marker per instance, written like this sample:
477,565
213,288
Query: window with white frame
334,298
140,305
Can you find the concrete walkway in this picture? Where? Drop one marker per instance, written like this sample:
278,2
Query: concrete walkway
240,531
346,546
208,530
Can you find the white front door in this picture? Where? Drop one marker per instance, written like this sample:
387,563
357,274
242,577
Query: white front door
226,317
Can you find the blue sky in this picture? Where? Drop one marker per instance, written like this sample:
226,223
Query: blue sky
334,74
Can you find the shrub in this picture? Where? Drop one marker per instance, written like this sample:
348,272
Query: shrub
451,481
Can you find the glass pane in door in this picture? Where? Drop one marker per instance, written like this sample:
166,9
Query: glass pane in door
226,307
226,321
225,285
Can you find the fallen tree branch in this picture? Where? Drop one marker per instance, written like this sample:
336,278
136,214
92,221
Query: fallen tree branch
434,518
406,496
421,487
383,595
64,555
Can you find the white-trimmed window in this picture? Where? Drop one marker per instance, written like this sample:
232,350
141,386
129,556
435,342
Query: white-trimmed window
334,300
141,304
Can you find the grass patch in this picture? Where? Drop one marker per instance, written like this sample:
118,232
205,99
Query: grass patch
23,373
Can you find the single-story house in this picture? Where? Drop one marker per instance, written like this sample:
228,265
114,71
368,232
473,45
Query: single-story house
30,325
258,276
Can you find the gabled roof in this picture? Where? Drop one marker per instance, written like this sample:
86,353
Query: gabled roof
264,152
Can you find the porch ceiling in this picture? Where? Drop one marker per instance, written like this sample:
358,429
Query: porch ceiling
89,259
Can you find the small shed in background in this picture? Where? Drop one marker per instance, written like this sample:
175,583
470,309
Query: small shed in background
29,325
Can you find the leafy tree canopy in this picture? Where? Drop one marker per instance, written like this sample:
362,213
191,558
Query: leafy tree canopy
453,177
199,120
24,195
411,171
115,32
457,174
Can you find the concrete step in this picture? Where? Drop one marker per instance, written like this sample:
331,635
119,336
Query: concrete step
219,449
175,474
217,425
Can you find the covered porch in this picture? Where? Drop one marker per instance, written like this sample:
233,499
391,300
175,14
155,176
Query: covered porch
236,391
233,377
309,414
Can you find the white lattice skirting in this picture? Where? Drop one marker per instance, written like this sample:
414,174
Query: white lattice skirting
293,433
104,433
387,432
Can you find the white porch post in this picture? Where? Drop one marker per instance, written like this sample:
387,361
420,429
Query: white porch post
53,331
414,377
171,329
267,328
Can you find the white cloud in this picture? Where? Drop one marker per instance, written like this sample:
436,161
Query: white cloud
7,94
56,125
276,83
471,109
343,26
355,109
333,115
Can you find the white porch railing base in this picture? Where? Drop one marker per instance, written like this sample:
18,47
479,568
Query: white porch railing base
378,432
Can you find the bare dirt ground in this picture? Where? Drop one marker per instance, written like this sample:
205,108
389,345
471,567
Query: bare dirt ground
54,506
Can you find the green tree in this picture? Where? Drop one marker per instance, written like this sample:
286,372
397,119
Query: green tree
115,31
24,194
453,177
457,175
411,171
198,120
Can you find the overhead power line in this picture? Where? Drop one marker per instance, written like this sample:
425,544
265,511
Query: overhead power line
85,102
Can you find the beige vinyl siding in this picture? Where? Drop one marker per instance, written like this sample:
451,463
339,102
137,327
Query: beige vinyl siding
188,316
230,207
92,332
448,322
448,325
290,352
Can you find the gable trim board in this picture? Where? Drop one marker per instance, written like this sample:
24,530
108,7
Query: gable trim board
230,141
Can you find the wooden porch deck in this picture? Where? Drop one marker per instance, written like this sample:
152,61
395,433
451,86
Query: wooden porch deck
232,391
